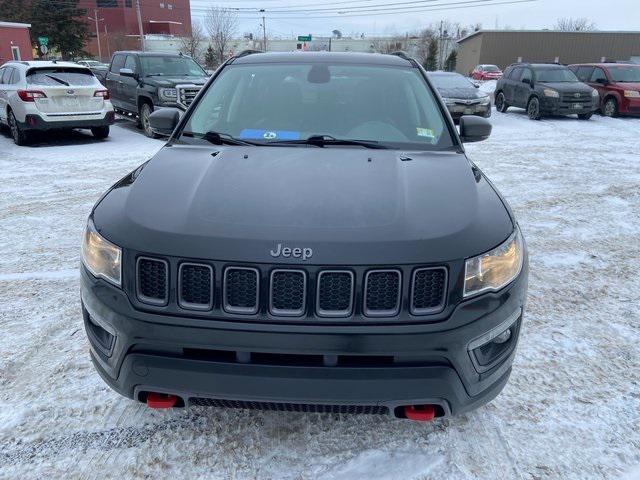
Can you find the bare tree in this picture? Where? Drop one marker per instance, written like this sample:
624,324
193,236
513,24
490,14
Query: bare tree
221,24
192,45
387,45
575,25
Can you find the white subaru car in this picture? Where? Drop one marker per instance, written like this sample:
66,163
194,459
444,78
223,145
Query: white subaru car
42,95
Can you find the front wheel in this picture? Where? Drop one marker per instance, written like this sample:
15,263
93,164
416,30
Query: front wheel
610,108
501,103
585,116
20,137
100,132
145,111
533,109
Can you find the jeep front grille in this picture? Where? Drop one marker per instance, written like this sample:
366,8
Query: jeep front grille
335,293
241,290
186,94
195,286
427,290
288,293
382,290
309,293
152,283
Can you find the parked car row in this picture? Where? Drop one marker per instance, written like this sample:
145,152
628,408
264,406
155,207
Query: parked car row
461,96
552,89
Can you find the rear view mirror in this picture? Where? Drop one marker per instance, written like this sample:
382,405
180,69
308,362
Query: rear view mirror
164,121
474,129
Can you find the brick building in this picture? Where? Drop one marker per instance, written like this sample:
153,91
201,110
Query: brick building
118,23
15,42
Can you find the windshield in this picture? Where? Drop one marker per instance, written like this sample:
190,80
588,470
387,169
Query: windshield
61,76
556,75
450,81
625,74
273,102
491,68
171,66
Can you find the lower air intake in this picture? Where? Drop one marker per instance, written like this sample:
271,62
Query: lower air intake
291,407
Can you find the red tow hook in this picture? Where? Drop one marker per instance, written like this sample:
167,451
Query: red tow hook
420,413
160,400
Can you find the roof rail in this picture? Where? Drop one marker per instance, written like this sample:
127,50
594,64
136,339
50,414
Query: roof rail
248,51
401,54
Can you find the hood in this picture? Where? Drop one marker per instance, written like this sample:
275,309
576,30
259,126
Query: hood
568,86
352,206
173,81
628,85
470,93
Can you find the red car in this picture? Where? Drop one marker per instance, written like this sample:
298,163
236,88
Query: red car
486,72
617,83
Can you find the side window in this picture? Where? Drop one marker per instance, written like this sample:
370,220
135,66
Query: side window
507,72
131,63
598,74
583,73
2,70
15,78
528,74
117,63
516,74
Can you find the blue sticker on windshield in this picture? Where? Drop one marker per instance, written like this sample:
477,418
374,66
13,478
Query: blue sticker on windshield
251,133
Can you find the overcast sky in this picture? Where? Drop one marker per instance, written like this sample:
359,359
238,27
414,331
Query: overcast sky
536,14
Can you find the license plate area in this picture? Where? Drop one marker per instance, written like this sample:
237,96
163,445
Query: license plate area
577,106
70,102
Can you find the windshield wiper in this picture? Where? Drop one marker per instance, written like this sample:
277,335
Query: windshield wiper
322,140
59,80
219,138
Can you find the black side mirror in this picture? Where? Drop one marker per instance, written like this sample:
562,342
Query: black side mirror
474,129
602,81
527,81
164,121
127,72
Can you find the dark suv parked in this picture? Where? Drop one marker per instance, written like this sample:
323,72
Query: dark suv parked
545,89
311,238
140,83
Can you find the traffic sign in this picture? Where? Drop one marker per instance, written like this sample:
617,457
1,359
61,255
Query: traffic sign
44,49
304,38
43,41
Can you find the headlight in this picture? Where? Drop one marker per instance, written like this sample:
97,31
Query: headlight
495,269
632,94
485,100
170,94
101,257
594,93
551,93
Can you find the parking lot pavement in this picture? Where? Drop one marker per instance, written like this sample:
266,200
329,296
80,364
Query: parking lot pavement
570,411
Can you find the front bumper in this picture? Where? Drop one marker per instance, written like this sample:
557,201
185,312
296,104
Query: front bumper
553,106
458,111
387,366
38,122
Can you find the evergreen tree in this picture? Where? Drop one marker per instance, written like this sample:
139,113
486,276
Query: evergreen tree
451,61
63,22
431,62
210,57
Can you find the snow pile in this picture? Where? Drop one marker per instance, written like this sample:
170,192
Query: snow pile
570,411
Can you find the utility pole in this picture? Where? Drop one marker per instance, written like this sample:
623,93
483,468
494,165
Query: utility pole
440,47
264,33
106,37
139,15
96,19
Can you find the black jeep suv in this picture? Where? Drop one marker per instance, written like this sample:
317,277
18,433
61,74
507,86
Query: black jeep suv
311,238
545,89
140,83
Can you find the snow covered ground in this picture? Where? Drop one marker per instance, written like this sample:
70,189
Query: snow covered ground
570,411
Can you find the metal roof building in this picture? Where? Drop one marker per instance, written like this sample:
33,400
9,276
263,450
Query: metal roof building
503,47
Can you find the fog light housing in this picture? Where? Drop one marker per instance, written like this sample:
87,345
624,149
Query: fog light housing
493,347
